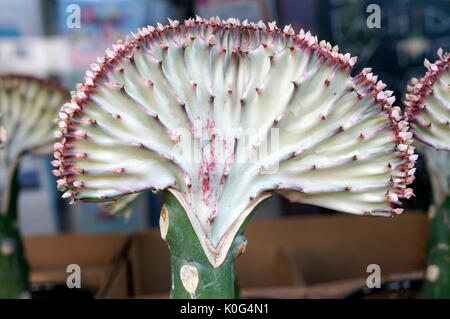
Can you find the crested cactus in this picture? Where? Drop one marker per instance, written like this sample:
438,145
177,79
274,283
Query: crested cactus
221,115
428,109
28,107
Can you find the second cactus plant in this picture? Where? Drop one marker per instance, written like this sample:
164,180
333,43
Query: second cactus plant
428,109
28,107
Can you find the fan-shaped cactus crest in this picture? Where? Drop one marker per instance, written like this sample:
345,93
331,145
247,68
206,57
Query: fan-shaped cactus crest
28,107
223,114
428,104
428,109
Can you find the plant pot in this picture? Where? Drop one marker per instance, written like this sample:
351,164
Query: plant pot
399,289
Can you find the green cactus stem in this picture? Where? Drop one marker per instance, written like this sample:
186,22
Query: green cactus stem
428,110
14,282
437,274
223,114
193,276
28,107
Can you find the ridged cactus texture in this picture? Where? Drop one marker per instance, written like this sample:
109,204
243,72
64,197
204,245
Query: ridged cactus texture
28,107
428,109
221,115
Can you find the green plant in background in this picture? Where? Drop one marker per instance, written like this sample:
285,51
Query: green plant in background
28,107
428,110
221,115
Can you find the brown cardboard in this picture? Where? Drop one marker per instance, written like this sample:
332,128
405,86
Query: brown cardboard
298,251
330,248
97,255
150,262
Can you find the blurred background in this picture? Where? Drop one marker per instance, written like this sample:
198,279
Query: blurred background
40,37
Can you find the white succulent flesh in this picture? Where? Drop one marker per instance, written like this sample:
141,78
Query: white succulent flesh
123,206
223,115
428,109
428,104
28,107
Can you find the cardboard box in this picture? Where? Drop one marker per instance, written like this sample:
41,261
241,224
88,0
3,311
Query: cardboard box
329,248
97,255
295,252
